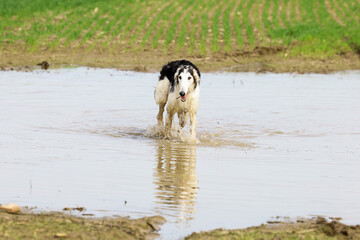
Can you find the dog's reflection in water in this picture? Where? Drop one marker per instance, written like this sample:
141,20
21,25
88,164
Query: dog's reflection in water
175,179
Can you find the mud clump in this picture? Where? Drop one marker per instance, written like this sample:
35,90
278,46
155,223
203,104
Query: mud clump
44,65
318,228
336,229
62,226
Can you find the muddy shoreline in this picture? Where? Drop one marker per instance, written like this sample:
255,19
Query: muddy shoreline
62,225
257,60
314,228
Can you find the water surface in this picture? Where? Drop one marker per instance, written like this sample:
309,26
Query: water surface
269,145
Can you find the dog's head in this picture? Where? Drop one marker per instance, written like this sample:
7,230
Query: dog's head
187,78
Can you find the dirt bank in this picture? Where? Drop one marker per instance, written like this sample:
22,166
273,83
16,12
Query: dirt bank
317,228
62,226
257,60
58,225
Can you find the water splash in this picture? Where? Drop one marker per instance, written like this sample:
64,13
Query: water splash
218,137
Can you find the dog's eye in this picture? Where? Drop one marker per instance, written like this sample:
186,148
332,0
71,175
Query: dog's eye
189,78
180,77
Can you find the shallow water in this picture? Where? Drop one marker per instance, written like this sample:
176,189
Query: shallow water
269,145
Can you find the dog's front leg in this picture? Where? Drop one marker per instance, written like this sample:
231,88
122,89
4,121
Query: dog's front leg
193,125
168,123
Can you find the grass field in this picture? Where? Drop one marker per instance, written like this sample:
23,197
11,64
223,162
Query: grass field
310,28
322,27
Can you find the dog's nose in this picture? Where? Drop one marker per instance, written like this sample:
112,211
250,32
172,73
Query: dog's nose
182,93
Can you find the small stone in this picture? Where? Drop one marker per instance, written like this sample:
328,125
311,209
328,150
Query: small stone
10,208
61,235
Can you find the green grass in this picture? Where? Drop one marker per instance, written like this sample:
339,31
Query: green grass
204,32
183,24
201,27
249,28
275,16
215,27
227,28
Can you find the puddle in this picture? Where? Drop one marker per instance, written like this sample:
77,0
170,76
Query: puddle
268,145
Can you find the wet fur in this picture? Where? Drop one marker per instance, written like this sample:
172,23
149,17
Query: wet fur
171,82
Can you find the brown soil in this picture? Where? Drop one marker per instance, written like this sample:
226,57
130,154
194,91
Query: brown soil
260,59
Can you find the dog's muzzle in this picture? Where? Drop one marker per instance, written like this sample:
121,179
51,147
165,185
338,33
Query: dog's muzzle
183,96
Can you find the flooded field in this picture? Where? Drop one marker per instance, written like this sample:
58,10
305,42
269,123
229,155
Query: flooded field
269,145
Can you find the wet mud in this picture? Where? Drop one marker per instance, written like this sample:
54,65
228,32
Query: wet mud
317,228
58,225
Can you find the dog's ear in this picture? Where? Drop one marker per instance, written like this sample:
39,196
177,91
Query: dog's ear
196,75
176,75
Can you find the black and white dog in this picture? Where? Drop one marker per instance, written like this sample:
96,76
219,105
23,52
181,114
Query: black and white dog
178,88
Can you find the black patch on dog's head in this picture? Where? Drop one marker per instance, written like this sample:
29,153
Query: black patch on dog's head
181,70
169,70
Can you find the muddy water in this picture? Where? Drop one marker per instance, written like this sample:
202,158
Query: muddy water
268,145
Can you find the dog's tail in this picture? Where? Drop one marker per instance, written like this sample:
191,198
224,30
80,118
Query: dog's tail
162,91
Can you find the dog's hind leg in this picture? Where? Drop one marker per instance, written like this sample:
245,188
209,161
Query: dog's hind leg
159,117
161,96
